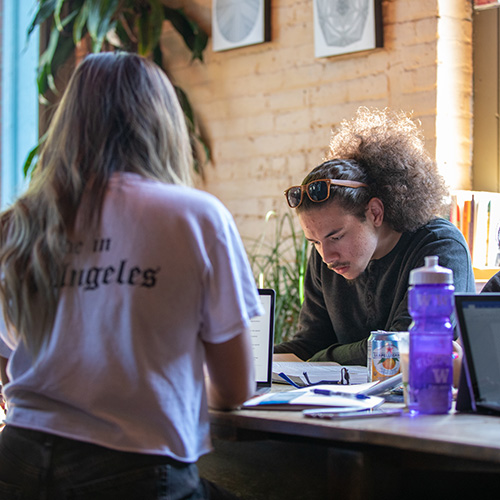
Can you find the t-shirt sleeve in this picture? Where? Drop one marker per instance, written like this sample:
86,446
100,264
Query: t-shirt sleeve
231,296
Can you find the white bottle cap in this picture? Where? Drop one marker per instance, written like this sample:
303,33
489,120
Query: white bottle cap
431,273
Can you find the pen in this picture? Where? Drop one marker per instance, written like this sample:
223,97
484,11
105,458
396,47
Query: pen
384,385
326,392
284,376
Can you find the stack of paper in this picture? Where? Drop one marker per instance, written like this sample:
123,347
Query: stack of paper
317,372
346,398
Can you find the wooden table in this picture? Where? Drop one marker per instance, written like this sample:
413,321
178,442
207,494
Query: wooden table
283,455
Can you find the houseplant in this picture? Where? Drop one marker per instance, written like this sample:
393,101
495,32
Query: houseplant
279,260
102,25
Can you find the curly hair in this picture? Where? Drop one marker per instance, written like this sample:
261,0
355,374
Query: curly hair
384,149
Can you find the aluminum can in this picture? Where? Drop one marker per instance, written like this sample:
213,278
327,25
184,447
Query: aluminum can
383,355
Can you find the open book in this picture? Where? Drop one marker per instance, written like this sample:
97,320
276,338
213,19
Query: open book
319,396
317,372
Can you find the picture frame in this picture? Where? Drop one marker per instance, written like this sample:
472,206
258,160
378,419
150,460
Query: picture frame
239,23
345,26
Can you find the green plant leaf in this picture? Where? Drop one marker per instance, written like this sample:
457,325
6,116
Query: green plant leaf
195,136
57,15
45,62
149,27
277,258
57,53
59,48
79,28
30,163
186,107
100,20
158,57
45,10
127,43
206,148
194,37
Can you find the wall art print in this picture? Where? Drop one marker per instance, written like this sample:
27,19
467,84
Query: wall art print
238,23
344,26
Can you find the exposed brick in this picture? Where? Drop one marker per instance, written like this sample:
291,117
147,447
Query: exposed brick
269,109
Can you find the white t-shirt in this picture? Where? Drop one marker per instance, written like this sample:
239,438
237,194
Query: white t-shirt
124,367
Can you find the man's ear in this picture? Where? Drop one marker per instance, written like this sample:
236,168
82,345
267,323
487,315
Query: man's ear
375,211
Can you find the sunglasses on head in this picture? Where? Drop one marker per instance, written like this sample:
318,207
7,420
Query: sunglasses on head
317,191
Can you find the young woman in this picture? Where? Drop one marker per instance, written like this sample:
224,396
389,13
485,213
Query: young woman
121,287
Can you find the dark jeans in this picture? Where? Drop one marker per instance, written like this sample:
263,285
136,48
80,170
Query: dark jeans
41,466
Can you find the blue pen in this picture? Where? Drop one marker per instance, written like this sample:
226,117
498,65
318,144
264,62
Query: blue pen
326,392
284,376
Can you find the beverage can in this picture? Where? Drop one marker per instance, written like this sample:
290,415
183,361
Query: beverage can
383,355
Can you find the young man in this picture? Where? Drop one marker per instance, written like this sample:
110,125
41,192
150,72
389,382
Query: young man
370,213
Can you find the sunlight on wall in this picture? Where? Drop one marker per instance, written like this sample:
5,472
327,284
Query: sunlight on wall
454,94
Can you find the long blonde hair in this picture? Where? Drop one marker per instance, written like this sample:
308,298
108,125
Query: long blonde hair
119,113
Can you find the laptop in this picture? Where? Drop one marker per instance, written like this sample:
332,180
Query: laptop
478,317
262,333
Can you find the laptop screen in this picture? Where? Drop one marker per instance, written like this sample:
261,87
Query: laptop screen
262,332
479,321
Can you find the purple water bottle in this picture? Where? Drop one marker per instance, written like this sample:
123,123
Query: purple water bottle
430,302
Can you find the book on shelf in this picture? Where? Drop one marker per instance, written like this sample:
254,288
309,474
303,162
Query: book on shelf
477,215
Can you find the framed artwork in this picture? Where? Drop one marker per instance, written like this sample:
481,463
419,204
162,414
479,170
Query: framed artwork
344,26
238,23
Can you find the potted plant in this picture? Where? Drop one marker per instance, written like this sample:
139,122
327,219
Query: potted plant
103,25
279,261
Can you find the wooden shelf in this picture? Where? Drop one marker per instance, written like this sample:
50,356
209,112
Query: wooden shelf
485,273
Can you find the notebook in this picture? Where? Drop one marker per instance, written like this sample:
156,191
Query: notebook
479,323
262,333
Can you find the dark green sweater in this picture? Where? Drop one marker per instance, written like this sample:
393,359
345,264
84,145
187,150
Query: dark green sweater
338,315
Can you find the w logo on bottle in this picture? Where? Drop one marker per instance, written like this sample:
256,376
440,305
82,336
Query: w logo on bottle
441,375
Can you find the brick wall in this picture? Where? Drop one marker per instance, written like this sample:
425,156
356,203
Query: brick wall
268,109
